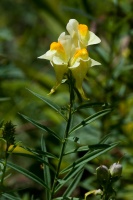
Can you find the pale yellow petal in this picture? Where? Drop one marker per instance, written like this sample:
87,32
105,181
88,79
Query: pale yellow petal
93,39
94,62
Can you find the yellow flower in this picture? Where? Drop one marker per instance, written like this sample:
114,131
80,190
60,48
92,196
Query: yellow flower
79,65
81,35
59,55
70,53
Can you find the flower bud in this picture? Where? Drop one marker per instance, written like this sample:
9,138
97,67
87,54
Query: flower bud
115,170
102,174
8,133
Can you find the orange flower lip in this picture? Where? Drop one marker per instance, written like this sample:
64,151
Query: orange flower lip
80,54
56,46
83,29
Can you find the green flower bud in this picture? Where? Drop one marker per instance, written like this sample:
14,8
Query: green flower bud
115,170
102,174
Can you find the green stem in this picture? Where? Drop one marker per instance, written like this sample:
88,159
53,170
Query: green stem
5,164
65,135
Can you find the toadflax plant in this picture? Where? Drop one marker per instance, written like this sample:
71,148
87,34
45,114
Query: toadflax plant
71,62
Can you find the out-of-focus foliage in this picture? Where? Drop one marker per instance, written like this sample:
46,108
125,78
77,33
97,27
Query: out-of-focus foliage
26,30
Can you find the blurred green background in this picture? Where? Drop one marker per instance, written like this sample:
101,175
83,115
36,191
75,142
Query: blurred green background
26,30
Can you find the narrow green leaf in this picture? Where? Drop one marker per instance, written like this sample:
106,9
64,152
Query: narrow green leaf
90,119
46,170
46,154
90,105
35,157
50,103
40,152
88,147
43,127
98,146
69,176
104,139
73,184
10,196
87,157
78,149
27,174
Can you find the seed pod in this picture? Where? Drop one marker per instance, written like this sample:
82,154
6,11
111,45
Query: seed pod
115,170
102,174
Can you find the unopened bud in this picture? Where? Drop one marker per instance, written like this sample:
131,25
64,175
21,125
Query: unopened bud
115,170
102,174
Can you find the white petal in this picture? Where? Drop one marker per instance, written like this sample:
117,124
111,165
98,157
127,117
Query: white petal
94,62
93,39
63,36
65,40
58,61
48,55
72,26
76,64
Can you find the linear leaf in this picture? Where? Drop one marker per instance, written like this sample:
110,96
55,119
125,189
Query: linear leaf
27,174
43,127
46,170
87,157
40,152
88,147
90,119
83,148
104,139
98,146
73,184
10,196
50,103
68,176
37,158
90,105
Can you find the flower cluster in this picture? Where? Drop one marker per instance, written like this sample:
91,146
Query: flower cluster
106,177
70,53
109,176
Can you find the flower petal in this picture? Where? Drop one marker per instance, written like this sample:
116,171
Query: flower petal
80,54
94,62
83,34
66,42
48,55
58,61
72,26
93,39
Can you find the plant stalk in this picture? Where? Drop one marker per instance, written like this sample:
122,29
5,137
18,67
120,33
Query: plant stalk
66,134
